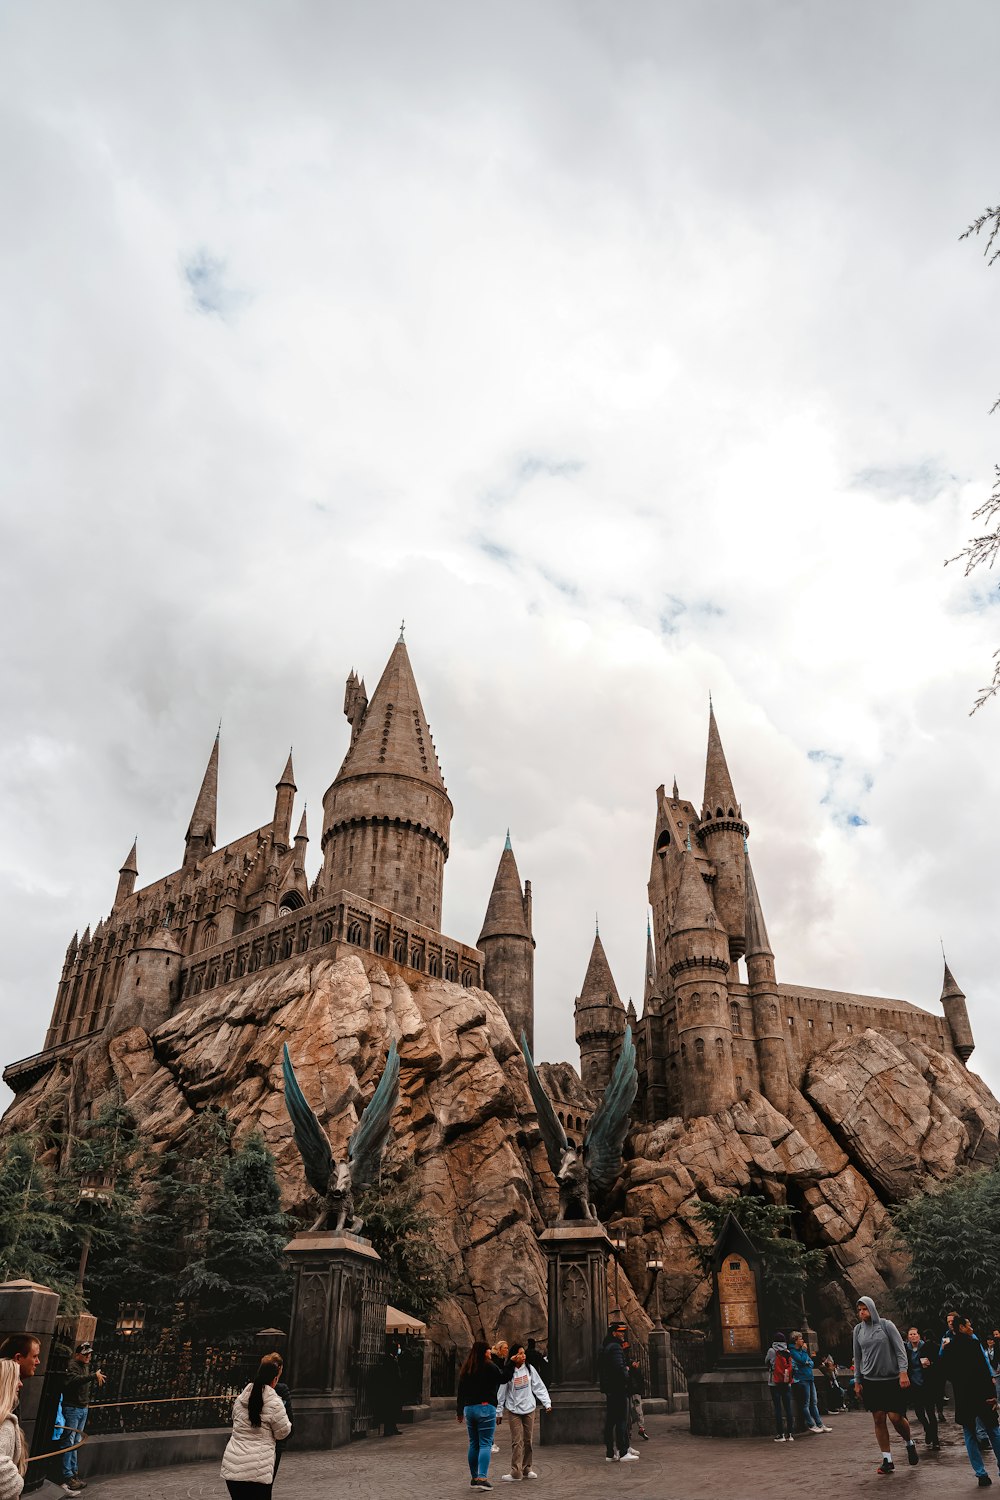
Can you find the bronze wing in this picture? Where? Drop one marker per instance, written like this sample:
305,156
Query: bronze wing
310,1137
548,1121
602,1145
369,1137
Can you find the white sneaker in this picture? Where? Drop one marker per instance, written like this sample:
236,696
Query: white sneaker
531,1474
495,1448
615,1460
789,1439
633,1453
780,1438
629,1458
508,1479
826,1429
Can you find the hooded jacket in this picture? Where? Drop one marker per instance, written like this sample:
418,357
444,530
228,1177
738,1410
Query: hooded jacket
879,1351
522,1390
963,1364
802,1362
778,1347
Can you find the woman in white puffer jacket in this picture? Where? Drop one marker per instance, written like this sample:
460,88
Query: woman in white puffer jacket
13,1458
259,1421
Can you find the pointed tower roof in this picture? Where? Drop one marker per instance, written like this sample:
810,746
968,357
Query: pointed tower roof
394,738
650,984
202,824
630,1013
86,935
599,988
693,908
718,782
757,938
303,833
130,867
287,777
74,944
950,990
505,912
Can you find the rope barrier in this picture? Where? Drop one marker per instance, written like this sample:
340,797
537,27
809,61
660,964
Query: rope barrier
108,1406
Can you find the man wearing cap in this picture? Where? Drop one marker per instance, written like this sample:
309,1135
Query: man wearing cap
76,1404
613,1375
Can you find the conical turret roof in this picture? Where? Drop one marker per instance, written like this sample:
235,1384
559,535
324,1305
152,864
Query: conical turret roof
287,777
130,867
950,989
202,824
505,911
757,938
303,832
650,985
599,987
394,738
693,908
718,782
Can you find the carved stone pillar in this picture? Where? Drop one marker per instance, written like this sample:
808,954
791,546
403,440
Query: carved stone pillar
336,1335
578,1321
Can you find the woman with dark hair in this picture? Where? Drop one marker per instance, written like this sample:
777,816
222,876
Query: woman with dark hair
478,1382
259,1422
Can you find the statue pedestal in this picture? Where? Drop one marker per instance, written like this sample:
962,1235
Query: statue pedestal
577,1257
336,1336
730,1403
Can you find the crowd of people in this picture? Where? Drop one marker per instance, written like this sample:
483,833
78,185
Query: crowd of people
889,1377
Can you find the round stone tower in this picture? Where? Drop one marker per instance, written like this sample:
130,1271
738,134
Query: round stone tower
698,959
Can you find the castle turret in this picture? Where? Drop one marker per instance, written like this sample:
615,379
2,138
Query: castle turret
957,1016
723,834
698,958
650,997
599,1017
387,816
284,797
506,940
199,840
301,840
127,876
150,983
772,1053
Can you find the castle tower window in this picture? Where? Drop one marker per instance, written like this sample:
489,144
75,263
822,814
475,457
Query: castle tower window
326,932
663,843
380,944
355,934
433,966
791,1023
290,901
737,1019
399,950
699,1048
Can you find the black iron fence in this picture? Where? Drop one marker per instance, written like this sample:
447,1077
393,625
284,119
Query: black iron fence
444,1368
690,1354
159,1382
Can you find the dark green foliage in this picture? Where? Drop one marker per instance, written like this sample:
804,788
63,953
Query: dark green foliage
953,1237
787,1266
239,1280
108,1148
405,1235
36,1239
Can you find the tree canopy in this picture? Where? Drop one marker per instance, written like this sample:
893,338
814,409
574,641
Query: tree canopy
403,1231
787,1266
953,1236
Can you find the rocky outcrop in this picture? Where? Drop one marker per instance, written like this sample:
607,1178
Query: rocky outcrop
878,1118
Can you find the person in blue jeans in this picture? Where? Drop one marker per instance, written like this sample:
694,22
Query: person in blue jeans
476,1402
80,1380
780,1371
804,1377
963,1363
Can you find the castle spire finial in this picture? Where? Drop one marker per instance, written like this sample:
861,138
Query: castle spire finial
507,842
597,925
676,794
402,633
719,792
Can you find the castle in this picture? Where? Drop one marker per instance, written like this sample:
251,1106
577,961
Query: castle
706,1035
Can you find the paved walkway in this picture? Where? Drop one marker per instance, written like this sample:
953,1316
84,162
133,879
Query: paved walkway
429,1461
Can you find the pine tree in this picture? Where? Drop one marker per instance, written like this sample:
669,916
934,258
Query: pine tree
99,1196
405,1234
36,1239
953,1236
239,1280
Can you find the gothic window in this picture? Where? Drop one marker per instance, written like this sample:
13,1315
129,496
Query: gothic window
326,934
254,963
719,1049
449,969
579,1123
304,939
287,946
663,843
416,958
737,1019
791,1023
718,812
434,966
380,943
699,1048
227,973
290,901
695,999
212,980
355,934
241,966
272,954
467,977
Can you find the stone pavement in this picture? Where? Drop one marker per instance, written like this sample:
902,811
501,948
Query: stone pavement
429,1461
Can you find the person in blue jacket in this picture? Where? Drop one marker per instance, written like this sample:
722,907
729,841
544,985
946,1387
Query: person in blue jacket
804,1379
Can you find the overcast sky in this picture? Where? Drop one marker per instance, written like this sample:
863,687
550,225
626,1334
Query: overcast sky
628,351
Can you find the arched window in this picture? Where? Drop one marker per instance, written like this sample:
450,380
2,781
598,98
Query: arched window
287,946
699,1048
416,958
272,953
212,980
737,1019
434,966
449,969
209,936
399,950
719,1047
290,901
326,934
467,977
254,963
663,843
579,1123
355,934
304,936
380,943
241,966
731,813
227,972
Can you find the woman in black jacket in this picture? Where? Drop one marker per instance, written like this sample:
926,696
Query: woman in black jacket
478,1382
964,1363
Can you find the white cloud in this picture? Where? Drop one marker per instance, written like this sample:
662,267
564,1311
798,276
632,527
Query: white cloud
594,342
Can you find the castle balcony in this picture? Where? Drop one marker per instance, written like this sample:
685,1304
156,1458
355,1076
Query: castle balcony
331,928
19,1076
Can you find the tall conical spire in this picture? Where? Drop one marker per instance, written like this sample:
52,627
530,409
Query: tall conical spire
649,987
303,833
757,938
950,989
127,875
599,987
505,914
719,792
956,1014
394,738
284,796
693,908
287,777
200,836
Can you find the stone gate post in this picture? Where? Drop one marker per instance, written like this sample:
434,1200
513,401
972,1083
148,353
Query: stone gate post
577,1255
27,1307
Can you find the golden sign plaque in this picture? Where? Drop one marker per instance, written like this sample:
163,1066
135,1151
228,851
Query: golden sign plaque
738,1314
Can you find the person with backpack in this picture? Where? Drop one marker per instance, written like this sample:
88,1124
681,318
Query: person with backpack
882,1379
779,1382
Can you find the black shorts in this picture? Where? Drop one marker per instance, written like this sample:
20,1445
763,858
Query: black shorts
883,1395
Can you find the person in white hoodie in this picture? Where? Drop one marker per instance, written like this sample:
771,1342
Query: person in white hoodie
13,1455
519,1397
259,1421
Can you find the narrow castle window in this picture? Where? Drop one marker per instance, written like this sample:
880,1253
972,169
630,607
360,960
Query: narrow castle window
737,1019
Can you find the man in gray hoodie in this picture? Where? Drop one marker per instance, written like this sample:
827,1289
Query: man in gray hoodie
881,1377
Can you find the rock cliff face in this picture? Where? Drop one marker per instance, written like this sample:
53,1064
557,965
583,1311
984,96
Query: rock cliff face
878,1118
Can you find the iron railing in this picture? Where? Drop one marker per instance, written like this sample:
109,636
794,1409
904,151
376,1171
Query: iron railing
160,1382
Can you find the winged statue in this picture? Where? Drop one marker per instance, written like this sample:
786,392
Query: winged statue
336,1181
594,1173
